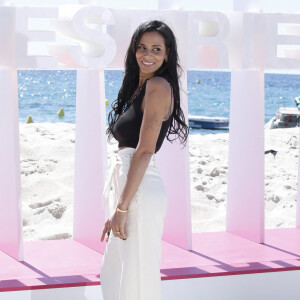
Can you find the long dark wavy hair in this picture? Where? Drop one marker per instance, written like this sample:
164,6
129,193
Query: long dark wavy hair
169,70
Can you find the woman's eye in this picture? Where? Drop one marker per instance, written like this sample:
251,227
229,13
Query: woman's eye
155,49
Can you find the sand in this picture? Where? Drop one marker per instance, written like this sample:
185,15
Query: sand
47,167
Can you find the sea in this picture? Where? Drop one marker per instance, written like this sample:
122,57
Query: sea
41,93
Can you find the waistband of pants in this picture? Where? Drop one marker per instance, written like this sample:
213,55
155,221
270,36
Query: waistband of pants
123,156
127,153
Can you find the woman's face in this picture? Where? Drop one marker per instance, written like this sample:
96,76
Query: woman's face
150,53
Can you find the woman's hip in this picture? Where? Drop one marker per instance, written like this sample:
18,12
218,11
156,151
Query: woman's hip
151,193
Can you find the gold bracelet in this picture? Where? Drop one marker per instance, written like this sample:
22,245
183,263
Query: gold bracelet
120,210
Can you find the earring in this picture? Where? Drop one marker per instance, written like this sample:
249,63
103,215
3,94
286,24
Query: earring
166,60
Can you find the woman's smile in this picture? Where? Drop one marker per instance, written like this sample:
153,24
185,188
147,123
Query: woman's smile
147,63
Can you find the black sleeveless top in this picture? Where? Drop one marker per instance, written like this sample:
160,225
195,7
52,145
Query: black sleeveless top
126,130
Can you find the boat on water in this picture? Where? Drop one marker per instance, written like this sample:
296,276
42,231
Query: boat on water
203,122
286,117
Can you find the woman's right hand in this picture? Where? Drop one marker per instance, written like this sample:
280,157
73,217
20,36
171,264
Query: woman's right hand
106,229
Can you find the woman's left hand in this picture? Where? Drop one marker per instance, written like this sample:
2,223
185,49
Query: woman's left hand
117,223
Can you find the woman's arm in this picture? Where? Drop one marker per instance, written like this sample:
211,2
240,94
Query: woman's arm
156,106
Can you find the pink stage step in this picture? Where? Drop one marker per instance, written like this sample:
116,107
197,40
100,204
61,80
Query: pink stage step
67,263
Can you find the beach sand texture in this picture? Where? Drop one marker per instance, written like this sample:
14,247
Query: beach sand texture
47,166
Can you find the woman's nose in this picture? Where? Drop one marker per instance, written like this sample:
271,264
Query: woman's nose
147,53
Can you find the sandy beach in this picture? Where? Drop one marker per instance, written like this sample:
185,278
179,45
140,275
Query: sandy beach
47,167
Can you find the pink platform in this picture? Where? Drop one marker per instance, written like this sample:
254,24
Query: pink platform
67,263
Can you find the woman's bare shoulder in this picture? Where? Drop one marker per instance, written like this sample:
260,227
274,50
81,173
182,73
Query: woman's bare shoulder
158,84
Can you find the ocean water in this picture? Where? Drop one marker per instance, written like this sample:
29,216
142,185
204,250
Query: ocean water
42,93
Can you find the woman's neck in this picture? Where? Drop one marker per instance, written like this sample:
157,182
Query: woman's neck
142,79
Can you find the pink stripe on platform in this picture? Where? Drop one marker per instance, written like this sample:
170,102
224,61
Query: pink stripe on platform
67,263
50,264
222,253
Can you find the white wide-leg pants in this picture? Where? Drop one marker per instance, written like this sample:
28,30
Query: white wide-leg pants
131,268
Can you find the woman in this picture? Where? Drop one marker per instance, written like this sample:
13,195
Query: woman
147,110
